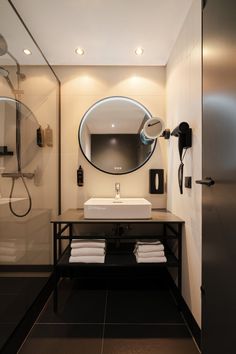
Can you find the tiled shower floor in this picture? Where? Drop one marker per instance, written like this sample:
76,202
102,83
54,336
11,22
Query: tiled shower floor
110,318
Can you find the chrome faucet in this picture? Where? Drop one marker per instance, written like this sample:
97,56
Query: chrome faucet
117,189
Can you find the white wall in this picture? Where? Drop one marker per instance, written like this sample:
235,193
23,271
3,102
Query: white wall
82,87
184,104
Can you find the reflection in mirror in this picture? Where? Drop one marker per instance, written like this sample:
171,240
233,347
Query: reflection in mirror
109,135
18,127
8,130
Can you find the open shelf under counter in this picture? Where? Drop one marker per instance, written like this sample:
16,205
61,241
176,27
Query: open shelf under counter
171,228
116,260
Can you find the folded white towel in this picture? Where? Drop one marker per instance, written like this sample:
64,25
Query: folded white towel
151,260
10,244
150,242
88,243
7,251
87,251
10,259
149,248
87,259
150,254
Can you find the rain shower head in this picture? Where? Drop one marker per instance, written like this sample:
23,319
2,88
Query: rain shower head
3,72
3,46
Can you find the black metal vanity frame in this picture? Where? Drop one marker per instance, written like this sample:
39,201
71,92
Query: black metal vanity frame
171,230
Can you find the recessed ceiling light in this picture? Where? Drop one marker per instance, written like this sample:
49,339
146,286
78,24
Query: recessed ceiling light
113,125
139,51
79,51
27,52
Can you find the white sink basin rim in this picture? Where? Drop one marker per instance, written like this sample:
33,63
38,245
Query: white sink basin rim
122,208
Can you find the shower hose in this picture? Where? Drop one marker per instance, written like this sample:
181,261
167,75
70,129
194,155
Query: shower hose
19,173
11,196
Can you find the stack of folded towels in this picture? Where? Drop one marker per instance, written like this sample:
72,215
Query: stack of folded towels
149,252
87,251
11,251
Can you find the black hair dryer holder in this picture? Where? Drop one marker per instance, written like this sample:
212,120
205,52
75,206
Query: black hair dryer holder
184,135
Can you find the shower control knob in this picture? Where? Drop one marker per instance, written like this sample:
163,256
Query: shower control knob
208,181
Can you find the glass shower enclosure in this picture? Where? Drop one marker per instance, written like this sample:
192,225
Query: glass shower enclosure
29,171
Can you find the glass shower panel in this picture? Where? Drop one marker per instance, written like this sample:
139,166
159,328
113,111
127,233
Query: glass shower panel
32,173
29,103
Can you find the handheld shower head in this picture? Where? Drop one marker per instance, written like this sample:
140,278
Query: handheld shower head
4,50
5,73
3,46
22,76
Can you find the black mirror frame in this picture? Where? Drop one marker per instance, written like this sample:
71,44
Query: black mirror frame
80,125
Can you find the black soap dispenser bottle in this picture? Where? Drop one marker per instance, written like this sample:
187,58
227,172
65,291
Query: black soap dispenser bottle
40,137
80,177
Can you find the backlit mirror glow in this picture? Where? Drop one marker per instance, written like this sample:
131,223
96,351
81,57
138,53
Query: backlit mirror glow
109,135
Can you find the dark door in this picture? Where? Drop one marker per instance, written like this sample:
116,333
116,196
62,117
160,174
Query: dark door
219,163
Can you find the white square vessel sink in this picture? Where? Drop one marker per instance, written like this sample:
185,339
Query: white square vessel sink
122,208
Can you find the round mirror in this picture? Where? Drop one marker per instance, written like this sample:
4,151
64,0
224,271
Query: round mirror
110,135
18,127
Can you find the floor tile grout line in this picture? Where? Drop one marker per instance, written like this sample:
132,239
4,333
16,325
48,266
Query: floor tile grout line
104,322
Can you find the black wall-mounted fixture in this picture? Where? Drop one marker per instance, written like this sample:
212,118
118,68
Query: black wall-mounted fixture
165,134
156,181
188,182
5,152
184,134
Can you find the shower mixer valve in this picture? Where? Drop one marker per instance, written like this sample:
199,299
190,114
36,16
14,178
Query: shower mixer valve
18,175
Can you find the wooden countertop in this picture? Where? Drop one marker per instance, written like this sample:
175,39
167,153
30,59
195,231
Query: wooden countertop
76,216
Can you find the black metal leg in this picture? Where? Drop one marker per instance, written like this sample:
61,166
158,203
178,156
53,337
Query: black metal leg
54,245
55,295
59,242
70,232
164,235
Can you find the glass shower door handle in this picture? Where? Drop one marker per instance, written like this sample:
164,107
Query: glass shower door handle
208,181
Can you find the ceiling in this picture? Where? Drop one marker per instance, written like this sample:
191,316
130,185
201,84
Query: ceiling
108,30
17,38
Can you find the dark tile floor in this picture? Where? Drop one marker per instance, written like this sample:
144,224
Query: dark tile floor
103,318
15,300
